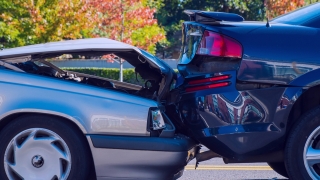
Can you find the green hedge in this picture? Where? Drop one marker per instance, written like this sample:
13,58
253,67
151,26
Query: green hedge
112,73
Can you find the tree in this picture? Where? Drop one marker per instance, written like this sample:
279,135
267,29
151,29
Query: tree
279,7
36,21
14,19
61,19
129,21
307,2
171,16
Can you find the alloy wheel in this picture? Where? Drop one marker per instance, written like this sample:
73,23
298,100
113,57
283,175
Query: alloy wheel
312,154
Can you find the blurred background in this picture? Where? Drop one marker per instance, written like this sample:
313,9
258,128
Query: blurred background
153,25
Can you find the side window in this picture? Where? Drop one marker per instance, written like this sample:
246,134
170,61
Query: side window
313,23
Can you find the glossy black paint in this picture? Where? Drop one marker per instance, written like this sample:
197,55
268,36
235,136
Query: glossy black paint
250,116
201,16
277,54
176,144
314,23
243,121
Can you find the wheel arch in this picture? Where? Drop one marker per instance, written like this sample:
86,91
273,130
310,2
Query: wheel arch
5,118
8,117
305,102
304,95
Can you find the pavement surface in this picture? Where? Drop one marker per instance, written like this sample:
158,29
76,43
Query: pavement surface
216,169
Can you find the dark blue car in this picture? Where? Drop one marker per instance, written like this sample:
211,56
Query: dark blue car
260,82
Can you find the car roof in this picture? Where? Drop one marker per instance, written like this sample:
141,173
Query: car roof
91,44
300,16
22,54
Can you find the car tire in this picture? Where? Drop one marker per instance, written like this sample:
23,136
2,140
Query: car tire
279,167
303,147
36,146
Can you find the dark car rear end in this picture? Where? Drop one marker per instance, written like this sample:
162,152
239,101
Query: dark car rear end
243,73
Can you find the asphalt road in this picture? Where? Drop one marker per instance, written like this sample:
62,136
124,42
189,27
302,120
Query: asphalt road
215,169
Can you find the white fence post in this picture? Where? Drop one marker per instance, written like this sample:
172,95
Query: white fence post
121,70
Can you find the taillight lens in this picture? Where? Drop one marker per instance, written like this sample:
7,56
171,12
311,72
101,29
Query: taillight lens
205,87
157,120
215,44
208,80
197,85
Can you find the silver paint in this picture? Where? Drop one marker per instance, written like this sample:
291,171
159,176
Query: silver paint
91,44
94,110
136,164
41,111
118,125
75,101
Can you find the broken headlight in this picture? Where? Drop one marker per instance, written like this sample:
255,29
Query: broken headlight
157,120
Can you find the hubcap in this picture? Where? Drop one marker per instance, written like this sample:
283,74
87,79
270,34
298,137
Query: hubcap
312,154
37,161
49,155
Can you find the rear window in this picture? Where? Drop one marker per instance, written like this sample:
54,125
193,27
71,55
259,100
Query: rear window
300,16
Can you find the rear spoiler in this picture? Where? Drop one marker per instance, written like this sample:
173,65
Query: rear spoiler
209,16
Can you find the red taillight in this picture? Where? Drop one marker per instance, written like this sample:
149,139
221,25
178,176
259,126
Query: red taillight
207,80
210,86
215,44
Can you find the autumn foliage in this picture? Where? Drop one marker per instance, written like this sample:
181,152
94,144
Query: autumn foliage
25,22
43,21
279,7
129,21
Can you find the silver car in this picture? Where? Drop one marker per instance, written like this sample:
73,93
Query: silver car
57,124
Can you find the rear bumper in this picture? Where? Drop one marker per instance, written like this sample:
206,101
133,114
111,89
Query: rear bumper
238,125
120,157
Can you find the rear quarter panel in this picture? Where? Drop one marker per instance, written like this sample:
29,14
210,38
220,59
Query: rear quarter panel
240,122
279,54
94,110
